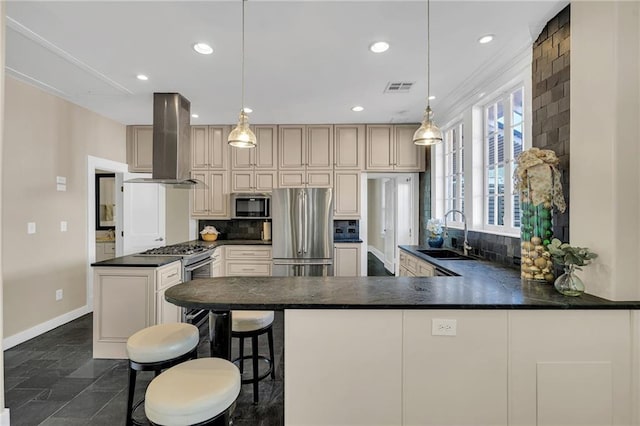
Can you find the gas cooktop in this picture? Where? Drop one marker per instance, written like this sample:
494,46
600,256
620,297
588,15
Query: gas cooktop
176,250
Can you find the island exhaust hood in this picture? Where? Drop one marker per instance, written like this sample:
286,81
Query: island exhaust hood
171,141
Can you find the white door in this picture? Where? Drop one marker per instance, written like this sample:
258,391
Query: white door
142,223
389,224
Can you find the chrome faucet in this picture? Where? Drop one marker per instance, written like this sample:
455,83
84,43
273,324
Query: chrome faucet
466,246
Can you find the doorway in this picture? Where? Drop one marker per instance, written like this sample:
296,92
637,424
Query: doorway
391,219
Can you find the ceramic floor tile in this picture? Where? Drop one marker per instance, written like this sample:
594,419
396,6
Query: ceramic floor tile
86,404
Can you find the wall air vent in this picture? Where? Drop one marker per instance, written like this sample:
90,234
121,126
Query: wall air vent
398,87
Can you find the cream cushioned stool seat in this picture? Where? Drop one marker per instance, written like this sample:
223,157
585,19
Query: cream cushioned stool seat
245,324
157,348
193,392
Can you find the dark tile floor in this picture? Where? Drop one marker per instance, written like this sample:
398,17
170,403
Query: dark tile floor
375,268
53,380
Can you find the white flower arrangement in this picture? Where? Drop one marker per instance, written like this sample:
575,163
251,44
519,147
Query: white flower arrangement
434,226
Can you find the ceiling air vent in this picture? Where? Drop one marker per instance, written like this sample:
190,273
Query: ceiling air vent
398,87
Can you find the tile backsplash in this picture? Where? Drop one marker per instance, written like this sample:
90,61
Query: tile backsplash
235,229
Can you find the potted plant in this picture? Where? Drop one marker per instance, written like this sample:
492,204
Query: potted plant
434,226
571,258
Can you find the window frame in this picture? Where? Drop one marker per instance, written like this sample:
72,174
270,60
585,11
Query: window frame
455,130
508,160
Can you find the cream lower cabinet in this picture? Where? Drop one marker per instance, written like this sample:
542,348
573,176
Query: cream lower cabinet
455,380
346,259
217,267
411,266
247,261
357,367
127,300
515,367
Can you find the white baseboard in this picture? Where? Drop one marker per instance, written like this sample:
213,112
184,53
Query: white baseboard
377,253
4,417
23,336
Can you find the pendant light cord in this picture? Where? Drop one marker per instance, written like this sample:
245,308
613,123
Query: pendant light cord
428,58
242,106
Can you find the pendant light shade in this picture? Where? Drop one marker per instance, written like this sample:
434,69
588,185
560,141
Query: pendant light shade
428,133
242,136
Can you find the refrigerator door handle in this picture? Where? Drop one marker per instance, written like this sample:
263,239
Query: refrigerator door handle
304,198
300,224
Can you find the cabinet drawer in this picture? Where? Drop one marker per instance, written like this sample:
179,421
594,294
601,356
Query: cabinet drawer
248,252
425,270
237,269
169,275
408,262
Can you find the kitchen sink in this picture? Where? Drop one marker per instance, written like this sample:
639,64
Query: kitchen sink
445,254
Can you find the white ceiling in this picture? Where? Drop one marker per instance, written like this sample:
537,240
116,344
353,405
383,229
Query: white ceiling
306,61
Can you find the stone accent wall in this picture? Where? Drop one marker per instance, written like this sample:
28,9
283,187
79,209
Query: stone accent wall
550,99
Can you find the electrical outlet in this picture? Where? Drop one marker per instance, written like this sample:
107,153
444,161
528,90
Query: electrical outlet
63,226
443,327
31,228
59,294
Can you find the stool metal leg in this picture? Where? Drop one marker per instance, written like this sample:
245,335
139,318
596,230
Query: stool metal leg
132,384
273,366
254,348
241,353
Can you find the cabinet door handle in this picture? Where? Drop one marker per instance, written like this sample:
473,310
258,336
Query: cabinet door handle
159,239
175,274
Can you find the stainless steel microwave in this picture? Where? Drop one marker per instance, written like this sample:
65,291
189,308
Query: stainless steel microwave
250,206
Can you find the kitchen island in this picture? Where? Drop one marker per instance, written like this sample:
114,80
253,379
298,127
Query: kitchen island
479,348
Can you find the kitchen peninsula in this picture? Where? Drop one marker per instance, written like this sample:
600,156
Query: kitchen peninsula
480,348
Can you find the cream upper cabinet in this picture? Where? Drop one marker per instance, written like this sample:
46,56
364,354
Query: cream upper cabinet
265,154
408,156
209,148
346,259
292,147
140,148
346,187
255,169
212,201
319,147
391,147
349,146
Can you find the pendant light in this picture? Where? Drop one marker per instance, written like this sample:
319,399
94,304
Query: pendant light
242,136
428,133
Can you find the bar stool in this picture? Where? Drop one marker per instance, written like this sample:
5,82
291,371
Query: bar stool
157,348
196,392
251,324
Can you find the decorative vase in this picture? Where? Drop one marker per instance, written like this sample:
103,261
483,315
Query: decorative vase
435,241
536,232
568,283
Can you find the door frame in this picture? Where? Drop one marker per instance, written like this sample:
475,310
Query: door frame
94,163
364,218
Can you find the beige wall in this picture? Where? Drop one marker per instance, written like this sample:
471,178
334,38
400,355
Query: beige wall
374,201
46,137
177,215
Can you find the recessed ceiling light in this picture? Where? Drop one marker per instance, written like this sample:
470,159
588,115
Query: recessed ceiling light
379,47
203,48
357,108
195,115
485,39
432,97
142,77
248,110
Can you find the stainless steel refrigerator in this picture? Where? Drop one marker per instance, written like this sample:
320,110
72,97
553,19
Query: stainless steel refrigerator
302,232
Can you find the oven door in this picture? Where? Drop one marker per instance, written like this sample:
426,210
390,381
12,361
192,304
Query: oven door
201,269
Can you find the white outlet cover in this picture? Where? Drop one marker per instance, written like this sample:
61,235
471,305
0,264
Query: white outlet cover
63,226
31,228
58,294
443,327
61,187
61,180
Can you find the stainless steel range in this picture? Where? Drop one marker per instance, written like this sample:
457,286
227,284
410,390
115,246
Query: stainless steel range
196,263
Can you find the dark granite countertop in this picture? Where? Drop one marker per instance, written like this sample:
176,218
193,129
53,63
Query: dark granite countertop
136,260
486,288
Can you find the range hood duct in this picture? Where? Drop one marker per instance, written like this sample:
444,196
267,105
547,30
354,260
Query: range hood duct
171,141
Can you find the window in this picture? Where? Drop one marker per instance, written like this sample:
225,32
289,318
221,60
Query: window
503,142
454,171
